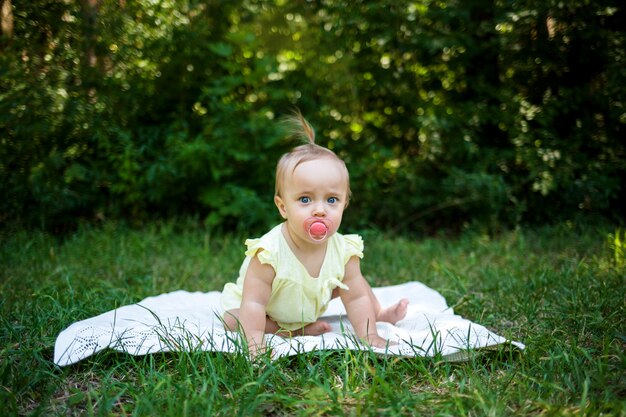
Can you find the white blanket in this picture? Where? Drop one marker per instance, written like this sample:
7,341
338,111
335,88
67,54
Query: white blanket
184,321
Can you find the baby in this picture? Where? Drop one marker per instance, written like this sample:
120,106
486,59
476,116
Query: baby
292,272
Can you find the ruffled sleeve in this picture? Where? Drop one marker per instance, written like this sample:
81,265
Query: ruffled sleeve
262,250
353,247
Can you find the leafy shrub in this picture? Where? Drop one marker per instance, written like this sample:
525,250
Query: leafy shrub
446,113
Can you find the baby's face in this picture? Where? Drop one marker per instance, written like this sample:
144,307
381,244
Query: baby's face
313,199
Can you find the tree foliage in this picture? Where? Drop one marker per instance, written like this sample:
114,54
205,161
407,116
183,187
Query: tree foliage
447,112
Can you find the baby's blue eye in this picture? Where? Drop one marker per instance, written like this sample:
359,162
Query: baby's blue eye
305,200
332,200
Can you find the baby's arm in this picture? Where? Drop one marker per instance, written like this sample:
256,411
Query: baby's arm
360,304
257,288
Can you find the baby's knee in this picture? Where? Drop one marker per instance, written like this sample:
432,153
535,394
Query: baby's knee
231,320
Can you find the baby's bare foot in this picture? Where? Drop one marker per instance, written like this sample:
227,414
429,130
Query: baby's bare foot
394,313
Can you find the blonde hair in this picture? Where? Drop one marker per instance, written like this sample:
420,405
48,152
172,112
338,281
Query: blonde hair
297,126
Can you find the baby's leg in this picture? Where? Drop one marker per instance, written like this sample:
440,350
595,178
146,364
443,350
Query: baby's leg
231,322
312,329
392,314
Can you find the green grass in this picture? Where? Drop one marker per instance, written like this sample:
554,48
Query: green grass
558,289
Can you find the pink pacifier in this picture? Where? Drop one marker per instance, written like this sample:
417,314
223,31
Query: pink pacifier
317,229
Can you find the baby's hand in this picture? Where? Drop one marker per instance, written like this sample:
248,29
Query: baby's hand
379,342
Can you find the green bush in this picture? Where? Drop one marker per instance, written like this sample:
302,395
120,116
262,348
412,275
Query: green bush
447,113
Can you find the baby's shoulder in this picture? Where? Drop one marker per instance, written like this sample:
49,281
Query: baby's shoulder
349,245
266,248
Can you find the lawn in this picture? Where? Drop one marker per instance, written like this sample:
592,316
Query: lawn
558,289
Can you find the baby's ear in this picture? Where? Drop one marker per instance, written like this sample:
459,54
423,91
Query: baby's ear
281,206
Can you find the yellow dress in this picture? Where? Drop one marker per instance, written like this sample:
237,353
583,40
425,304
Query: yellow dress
297,299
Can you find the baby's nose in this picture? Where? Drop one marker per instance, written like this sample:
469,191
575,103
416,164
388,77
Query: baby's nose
319,210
